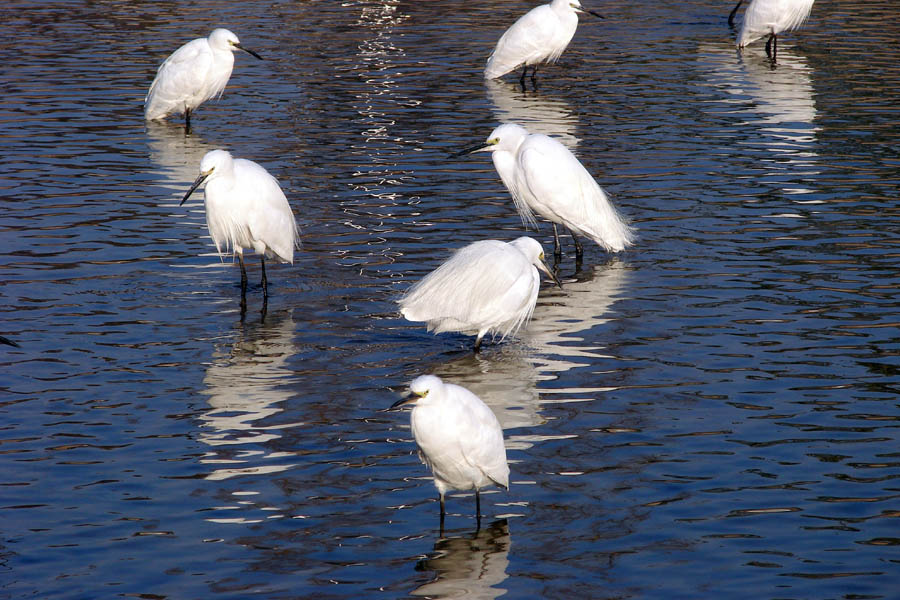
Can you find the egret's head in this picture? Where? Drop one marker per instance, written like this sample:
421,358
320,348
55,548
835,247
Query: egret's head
505,137
577,7
223,39
213,162
532,249
420,389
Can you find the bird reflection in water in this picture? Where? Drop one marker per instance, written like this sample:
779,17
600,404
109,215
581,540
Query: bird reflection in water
468,566
246,385
175,154
560,326
538,113
778,99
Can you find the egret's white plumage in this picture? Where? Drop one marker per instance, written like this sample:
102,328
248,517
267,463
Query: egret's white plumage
771,17
459,437
245,208
193,74
486,287
538,36
544,177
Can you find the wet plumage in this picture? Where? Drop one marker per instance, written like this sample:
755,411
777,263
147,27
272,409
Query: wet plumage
197,71
544,177
538,36
245,208
458,436
486,287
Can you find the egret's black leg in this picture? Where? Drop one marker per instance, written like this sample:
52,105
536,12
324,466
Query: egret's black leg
533,75
265,282
442,515
477,510
734,12
476,350
243,284
522,78
772,47
579,249
557,249
187,120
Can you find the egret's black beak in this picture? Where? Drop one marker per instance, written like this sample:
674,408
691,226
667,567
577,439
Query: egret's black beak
471,149
197,183
248,51
592,12
408,400
550,274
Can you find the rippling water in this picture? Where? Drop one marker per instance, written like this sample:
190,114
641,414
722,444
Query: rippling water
712,413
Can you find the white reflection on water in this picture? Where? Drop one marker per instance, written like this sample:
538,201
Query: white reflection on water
535,112
245,384
778,101
176,155
562,314
470,566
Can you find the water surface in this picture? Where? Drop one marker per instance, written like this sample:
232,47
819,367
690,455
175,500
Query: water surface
712,413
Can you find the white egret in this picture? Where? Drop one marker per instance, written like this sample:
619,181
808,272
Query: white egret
193,74
245,208
487,286
544,177
769,18
458,437
538,36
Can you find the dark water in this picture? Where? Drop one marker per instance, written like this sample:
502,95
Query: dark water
713,413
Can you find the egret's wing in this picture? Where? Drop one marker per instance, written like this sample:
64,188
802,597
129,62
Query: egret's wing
560,189
505,163
526,41
482,446
181,76
268,213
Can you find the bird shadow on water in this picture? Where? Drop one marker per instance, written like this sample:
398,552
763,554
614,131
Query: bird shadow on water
468,565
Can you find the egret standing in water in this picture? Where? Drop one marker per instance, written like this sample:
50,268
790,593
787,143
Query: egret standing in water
769,18
539,36
486,287
544,177
245,208
458,436
193,74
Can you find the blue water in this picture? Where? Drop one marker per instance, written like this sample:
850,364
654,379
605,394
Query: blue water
712,413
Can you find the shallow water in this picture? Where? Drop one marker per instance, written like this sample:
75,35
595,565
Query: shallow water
711,413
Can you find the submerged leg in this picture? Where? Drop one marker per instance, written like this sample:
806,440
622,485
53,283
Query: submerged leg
533,74
477,509
477,347
187,119
442,514
734,12
243,284
772,47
